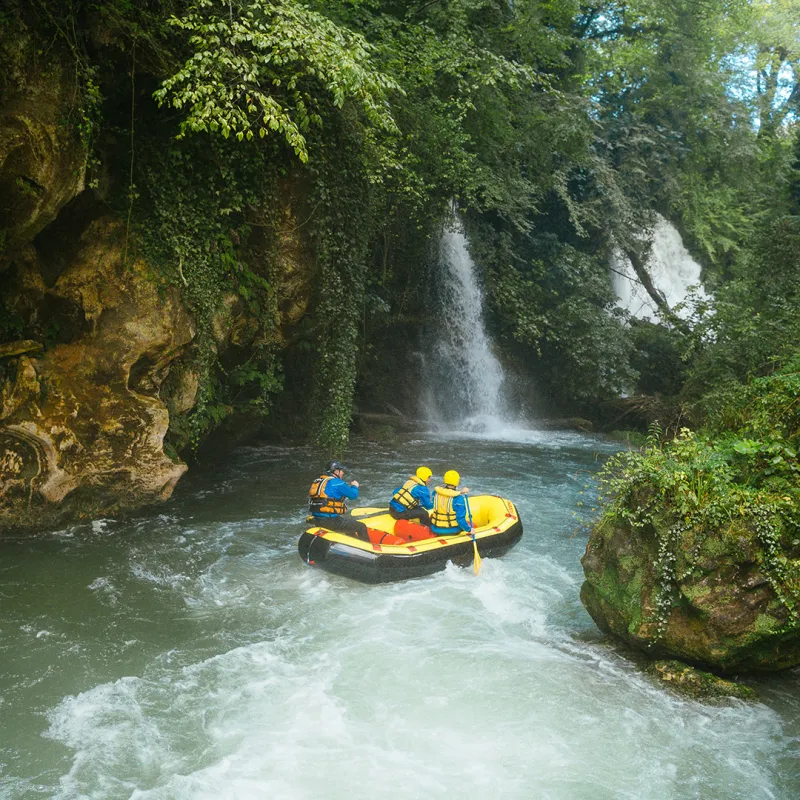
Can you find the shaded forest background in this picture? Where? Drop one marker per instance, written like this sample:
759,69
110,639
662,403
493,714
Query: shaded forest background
559,129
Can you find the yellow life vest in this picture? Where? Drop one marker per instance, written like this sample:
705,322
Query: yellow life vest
443,515
318,500
403,494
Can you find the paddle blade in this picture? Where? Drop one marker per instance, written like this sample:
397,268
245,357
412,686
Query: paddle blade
477,560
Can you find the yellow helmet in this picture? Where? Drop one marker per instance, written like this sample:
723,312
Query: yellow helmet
424,474
451,477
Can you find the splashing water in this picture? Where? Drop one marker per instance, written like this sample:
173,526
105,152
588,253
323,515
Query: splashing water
671,268
188,653
466,389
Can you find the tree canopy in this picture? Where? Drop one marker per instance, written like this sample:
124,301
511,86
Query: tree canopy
559,128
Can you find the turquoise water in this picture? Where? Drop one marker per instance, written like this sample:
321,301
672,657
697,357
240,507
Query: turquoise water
188,652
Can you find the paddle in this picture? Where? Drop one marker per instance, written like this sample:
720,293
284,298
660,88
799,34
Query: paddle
477,560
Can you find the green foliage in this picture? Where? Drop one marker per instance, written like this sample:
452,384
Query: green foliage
258,67
560,306
764,413
474,110
773,48
194,228
755,321
342,199
658,358
558,128
671,81
742,472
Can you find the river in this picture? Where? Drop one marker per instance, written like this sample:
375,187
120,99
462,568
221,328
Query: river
188,652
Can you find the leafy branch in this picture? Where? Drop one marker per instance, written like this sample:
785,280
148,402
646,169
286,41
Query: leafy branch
259,67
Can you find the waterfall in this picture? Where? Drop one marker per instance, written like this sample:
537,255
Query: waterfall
671,268
466,385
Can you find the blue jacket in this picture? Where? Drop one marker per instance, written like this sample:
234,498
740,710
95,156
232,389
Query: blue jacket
420,493
337,489
463,518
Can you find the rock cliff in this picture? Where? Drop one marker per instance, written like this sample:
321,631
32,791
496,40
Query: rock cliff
81,423
99,345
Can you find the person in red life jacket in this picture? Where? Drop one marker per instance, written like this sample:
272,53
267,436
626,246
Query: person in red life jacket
413,500
327,502
451,514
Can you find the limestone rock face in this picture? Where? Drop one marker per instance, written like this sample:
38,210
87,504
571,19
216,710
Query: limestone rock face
719,610
97,354
42,159
81,423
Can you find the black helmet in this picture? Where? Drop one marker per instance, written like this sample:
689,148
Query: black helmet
336,465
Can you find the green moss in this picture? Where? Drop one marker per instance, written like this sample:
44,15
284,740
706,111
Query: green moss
627,563
696,684
693,591
766,624
713,547
623,596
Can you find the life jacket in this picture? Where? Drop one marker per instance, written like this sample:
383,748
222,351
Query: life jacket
318,500
403,495
443,514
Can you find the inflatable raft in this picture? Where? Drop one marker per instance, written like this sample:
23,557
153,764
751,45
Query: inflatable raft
405,549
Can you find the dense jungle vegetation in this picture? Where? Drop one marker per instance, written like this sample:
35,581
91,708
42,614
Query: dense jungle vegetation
560,128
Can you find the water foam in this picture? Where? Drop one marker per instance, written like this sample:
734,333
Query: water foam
241,672
450,686
470,377
672,270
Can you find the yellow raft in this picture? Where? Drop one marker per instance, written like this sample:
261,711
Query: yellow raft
399,550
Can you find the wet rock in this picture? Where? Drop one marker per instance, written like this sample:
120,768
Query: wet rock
82,424
719,609
18,348
696,684
20,390
181,391
42,165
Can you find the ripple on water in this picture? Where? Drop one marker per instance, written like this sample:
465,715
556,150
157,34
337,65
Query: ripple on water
227,668
391,694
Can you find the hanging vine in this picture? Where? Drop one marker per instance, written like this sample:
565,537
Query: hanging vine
193,232
694,491
343,223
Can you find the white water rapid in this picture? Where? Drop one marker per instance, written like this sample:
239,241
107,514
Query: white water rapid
671,268
188,653
466,384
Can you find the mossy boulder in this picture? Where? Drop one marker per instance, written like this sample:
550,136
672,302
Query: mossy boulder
711,597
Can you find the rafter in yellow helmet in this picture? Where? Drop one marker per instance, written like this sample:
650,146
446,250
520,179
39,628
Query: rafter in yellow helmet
451,477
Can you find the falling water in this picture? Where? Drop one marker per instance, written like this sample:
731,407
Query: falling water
466,385
671,268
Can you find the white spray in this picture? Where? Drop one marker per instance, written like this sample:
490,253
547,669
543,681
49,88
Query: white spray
468,385
671,268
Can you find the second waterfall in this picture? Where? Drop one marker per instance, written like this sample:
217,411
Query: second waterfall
464,378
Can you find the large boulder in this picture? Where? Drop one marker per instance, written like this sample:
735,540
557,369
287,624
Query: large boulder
720,598
81,421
